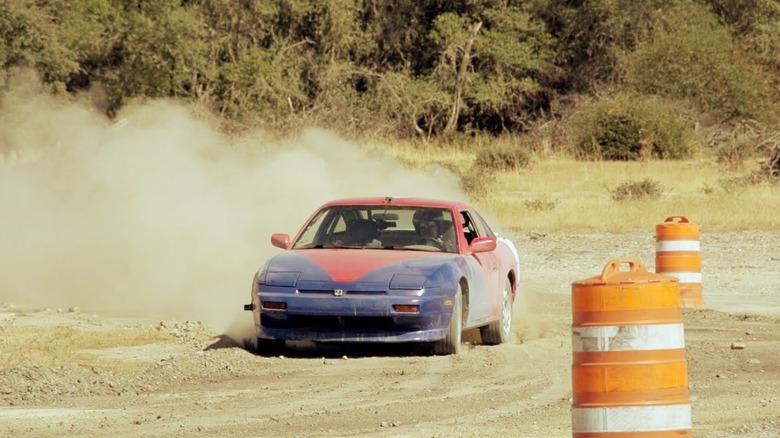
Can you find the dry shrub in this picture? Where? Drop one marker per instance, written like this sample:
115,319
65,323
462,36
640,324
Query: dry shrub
476,182
637,190
732,155
737,184
769,145
540,204
735,143
502,154
772,165
504,158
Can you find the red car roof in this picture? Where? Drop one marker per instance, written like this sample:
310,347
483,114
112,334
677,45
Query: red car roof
403,201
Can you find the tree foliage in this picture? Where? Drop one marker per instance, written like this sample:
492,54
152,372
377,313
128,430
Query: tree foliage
29,37
625,127
689,55
400,67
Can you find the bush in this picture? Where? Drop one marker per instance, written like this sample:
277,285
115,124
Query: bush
772,165
637,190
503,158
617,137
732,155
540,204
735,143
770,145
738,184
477,183
629,127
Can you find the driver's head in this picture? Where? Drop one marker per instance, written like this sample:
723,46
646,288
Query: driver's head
426,222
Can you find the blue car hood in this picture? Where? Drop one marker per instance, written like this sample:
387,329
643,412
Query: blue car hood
406,269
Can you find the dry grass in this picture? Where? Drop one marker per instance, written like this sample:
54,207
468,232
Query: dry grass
582,191
51,346
418,154
558,194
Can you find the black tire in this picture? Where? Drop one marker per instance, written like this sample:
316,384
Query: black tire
451,344
499,332
270,347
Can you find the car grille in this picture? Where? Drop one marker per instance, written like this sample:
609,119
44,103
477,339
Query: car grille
346,292
347,323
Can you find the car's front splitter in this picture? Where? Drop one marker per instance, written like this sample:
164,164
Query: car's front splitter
296,334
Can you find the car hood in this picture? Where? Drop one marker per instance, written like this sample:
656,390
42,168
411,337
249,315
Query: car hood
354,265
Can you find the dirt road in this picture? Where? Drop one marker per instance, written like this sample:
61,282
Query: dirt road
72,372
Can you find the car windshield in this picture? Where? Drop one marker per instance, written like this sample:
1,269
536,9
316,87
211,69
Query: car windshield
380,227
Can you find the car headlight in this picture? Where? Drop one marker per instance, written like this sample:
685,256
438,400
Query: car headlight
283,279
407,281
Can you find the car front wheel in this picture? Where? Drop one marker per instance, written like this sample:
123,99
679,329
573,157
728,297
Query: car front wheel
452,342
500,331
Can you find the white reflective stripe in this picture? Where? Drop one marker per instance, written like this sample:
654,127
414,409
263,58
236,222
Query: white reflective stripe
684,277
631,419
677,245
628,337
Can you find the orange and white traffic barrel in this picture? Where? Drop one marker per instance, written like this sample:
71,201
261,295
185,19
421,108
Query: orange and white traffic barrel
678,254
629,373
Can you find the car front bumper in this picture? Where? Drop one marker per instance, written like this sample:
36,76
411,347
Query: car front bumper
361,318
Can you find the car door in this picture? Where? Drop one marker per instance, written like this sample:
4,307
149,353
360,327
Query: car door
499,257
484,266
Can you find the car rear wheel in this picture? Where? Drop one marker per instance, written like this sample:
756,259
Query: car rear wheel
270,347
499,332
452,342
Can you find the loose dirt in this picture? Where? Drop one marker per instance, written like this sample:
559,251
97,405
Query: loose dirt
72,372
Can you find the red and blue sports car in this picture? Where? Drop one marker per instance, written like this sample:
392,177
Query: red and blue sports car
387,269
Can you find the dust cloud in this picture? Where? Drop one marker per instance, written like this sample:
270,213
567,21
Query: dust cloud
157,213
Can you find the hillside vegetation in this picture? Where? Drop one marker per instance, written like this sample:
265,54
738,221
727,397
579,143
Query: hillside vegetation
502,82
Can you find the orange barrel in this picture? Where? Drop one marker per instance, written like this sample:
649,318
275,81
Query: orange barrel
629,374
677,254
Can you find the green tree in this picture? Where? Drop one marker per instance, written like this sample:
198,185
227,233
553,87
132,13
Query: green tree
165,52
29,38
755,25
689,55
592,35
515,68
471,65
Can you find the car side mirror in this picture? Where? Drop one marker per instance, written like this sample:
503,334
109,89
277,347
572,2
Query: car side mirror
483,244
281,240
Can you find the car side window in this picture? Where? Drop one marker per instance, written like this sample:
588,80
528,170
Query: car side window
488,231
340,225
470,230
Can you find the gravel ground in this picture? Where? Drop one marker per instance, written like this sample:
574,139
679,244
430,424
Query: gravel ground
67,372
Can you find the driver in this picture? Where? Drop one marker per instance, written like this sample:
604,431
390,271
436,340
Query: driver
433,228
